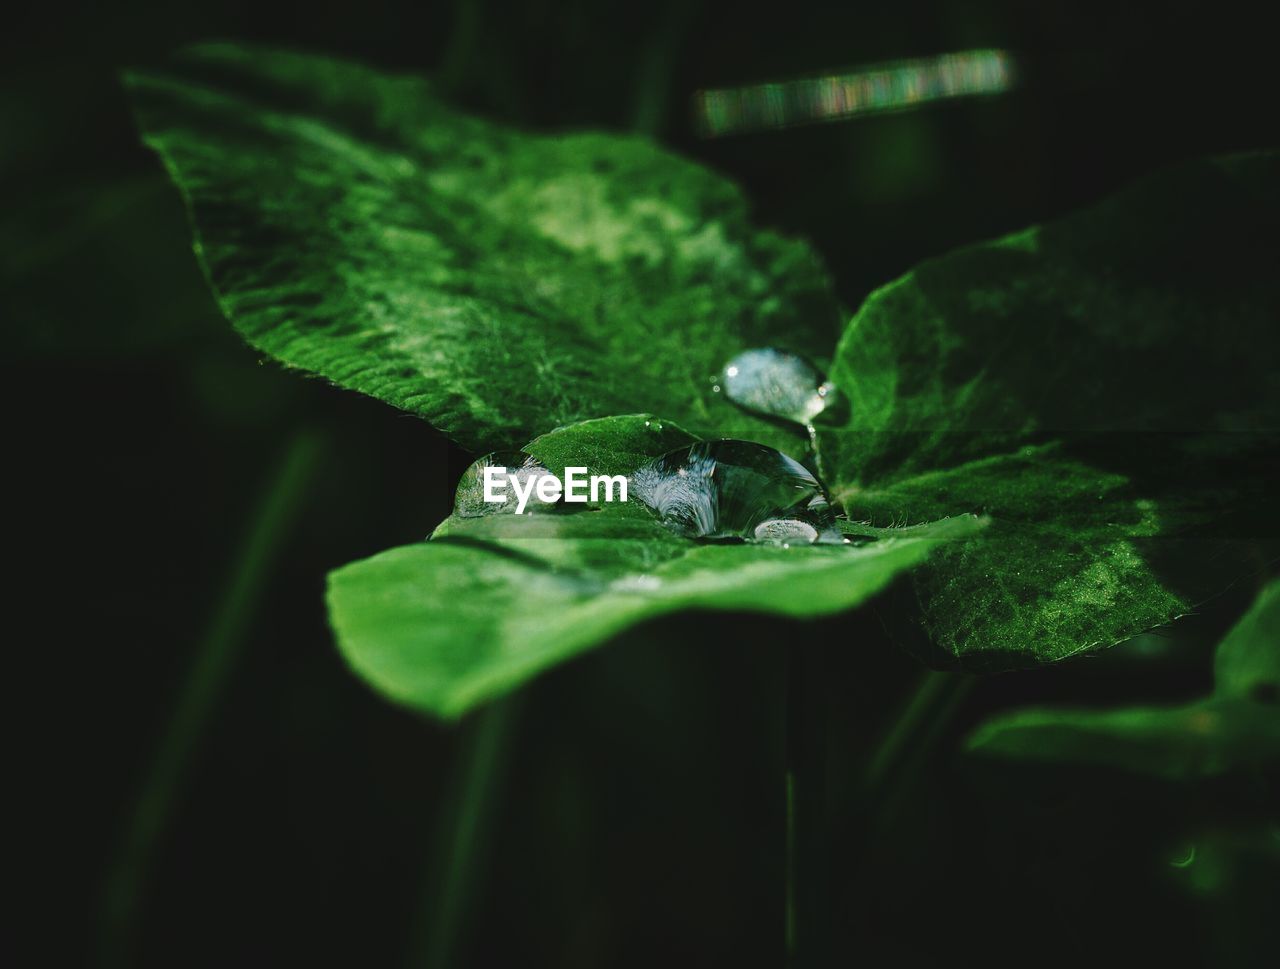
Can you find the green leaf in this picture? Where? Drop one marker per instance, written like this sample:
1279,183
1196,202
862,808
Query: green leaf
1247,664
488,602
1237,727
1201,739
497,283
1104,387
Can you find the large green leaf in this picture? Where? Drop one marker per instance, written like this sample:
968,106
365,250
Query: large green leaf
1237,727
488,602
1104,387
495,282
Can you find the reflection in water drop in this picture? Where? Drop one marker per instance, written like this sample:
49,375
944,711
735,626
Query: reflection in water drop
736,489
468,500
778,384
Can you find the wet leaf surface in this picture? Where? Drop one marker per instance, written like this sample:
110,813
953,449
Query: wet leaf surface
491,601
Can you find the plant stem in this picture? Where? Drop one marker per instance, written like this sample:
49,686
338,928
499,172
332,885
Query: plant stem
914,733
955,691
459,851
805,791
459,52
215,657
657,66
931,685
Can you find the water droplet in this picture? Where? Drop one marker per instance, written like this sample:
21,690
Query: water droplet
735,489
785,530
468,500
777,383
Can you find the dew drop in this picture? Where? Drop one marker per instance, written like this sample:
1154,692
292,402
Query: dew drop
777,383
468,500
735,489
785,530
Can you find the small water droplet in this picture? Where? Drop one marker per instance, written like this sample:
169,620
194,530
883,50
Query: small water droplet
735,489
468,500
785,530
715,389
777,383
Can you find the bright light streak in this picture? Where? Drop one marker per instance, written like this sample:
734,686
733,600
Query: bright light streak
878,88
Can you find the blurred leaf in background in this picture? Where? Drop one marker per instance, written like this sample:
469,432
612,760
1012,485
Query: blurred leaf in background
1236,728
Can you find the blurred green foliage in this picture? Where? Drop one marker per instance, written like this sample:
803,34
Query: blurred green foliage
1235,728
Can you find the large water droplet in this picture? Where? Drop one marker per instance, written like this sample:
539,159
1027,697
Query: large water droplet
778,384
468,500
736,489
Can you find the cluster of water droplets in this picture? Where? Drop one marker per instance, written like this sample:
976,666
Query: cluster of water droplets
468,500
716,489
736,489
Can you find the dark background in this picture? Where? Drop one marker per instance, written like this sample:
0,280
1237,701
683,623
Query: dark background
637,812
